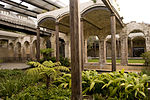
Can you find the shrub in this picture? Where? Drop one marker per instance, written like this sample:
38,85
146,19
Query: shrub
39,92
63,61
112,85
46,53
146,57
13,81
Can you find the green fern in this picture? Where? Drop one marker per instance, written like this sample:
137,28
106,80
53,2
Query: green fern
47,69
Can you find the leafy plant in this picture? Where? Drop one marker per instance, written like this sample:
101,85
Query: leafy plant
13,81
64,81
94,1
111,86
46,53
146,57
47,69
39,92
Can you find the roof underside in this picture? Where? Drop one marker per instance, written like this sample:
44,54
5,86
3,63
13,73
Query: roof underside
96,20
30,7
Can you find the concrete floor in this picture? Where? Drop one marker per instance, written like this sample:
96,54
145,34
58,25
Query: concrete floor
107,67
13,65
93,66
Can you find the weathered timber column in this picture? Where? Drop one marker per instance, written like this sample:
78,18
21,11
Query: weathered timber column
124,50
82,45
57,41
113,41
102,51
38,44
75,50
131,48
85,51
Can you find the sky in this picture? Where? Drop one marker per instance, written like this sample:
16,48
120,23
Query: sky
131,10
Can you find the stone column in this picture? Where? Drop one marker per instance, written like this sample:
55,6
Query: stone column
38,44
53,43
31,51
67,48
124,50
113,41
85,51
131,47
147,42
118,48
102,52
23,53
57,41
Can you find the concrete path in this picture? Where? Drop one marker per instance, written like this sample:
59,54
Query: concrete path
13,65
107,67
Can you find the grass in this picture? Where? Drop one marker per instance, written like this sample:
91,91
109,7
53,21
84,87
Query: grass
118,61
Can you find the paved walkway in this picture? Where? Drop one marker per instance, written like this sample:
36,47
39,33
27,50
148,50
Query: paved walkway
107,67
13,66
94,66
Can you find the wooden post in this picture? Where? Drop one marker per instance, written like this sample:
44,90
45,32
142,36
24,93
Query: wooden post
38,44
75,50
113,41
82,46
57,41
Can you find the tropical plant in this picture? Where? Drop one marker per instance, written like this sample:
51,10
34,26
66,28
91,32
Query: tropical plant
64,81
116,85
47,69
13,81
120,85
39,92
146,57
65,61
46,53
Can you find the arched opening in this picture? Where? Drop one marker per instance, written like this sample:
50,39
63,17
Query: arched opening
18,50
48,43
11,49
61,47
27,49
136,44
34,49
93,47
108,48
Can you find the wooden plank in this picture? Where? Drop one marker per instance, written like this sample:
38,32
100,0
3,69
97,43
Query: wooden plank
38,44
75,50
82,46
57,41
51,3
113,41
14,3
36,5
